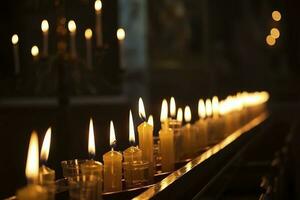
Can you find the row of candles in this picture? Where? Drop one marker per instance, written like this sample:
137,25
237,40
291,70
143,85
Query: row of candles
137,164
88,34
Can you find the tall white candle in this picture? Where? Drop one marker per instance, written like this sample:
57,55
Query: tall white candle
98,26
121,37
72,29
15,42
45,29
88,36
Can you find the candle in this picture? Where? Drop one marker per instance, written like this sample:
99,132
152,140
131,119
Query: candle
209,121
88,36
47,175
98,28
179,115
15,42
121,37
218,126
72,29
145,131
201,124
166,137
150,121
112,166
92,167
45,29
32,191
35,52
188,140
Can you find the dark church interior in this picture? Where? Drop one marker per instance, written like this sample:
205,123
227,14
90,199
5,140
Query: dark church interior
140,99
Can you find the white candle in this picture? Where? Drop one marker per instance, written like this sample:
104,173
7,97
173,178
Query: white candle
45,29
98,26
121,37
72,29
15,42
88,36
35,52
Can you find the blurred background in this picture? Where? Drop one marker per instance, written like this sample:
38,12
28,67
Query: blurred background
188,49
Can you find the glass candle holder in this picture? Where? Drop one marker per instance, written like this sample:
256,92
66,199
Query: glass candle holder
83,187
71,168
136,174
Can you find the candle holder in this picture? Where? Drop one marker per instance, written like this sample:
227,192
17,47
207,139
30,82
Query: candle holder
136,174
83,187
72,168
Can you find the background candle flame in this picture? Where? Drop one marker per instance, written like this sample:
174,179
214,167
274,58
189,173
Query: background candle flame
150,120
32,164
142,112
215,105
131,128
35,51
98,5
15,39
88,33
179,115
201,109
208,107
91,144
164,111
46,145
112,134
187,114
72,26
172,107
45,25
121,34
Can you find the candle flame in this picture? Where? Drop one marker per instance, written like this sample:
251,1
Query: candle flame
32,164
142,112
201,109
275,32
45,25
72,26
150,120
276,15
131,128
121,34
164,111
208,107
88,33
46,145
271,41
98,5
187,114
179,115
35,51
91,144
215,105
15,39
112,134
172,107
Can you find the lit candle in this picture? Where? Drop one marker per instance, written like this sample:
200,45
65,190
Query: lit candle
112,166
209,121
166,137
15,42
188,142
218,126
121,38
45,29
47,175
92,167
88,36
151,121
201,124
72,29
32,191
35,52
179,115
98,28
145,131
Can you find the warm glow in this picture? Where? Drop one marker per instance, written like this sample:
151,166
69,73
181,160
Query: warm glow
276,15
120,34
72,26
270,40
275,33
91,146
88,33
142,112
215,105
98,5
172,107
46,145
15,39
164,111
150,120
201,109
32,164
131,128
45,25
208,107
179,115
34,51
187,114
112,134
